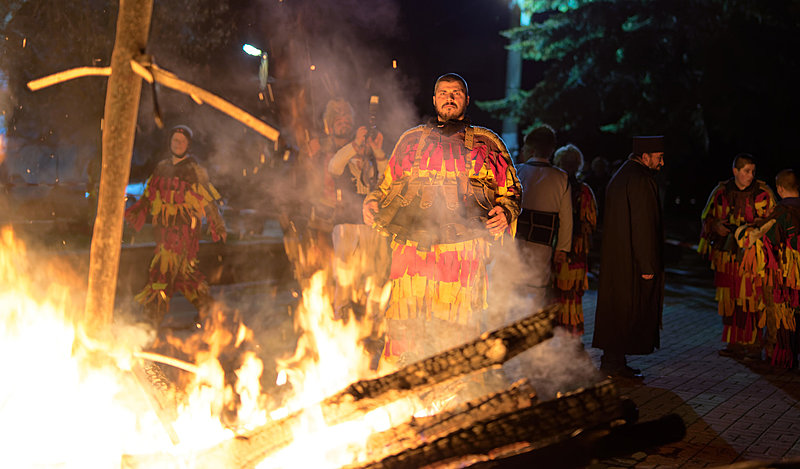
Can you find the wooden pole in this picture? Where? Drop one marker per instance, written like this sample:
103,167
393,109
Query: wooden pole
119,127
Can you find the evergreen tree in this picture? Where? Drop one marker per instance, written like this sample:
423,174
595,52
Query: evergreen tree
715,76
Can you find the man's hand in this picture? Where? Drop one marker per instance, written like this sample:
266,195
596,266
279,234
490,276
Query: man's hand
647,276
560,256
497,222
368,211
721,229
361,140
376,143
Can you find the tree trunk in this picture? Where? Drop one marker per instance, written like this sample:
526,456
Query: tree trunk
119,127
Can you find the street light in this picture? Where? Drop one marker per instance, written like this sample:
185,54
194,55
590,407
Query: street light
252,50
263,69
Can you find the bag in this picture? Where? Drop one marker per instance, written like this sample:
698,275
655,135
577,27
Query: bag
537,227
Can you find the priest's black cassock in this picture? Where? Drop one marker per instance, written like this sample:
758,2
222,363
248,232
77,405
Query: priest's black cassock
628,315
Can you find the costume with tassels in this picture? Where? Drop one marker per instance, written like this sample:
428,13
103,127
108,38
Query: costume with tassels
781,250
571,278
176,199
739,274
439,185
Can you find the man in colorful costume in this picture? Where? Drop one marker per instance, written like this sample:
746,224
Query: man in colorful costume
571,278
176,199
544,227
741,200
776,245
308,220
360,253
449,189
630,292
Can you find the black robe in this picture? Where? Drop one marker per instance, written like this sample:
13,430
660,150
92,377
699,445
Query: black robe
628,315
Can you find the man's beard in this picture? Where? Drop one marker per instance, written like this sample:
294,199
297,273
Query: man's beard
450,113
343,132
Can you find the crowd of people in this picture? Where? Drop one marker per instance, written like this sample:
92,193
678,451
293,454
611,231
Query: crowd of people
424,221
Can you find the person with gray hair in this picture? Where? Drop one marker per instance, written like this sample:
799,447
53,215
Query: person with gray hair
570,274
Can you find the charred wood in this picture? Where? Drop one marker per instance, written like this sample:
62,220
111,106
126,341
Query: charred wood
407,435
491,349
542,424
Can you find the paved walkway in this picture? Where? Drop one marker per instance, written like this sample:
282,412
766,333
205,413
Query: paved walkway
733,410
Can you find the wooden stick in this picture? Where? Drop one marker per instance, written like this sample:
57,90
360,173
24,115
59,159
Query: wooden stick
66,75
151,72
158,358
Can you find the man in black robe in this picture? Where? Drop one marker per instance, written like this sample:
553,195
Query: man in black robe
631,286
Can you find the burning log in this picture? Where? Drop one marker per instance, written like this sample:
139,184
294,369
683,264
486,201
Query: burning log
408,435
156,388
542,423
602,442
490,350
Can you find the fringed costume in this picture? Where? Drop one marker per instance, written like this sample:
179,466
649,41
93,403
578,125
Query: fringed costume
739,274
307,222
571,278
176,199
439,185
781,254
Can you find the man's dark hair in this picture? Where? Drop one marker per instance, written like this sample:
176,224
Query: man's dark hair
788,180
540,142
743,159
452,77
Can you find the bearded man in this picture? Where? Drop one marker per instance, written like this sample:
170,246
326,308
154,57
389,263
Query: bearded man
308,227
449,191
630,294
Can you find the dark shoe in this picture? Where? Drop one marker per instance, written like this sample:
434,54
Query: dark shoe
731,353
753,355
622,372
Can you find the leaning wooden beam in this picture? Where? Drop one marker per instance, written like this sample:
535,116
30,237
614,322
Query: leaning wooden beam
544,423
491,349
151,72
66,75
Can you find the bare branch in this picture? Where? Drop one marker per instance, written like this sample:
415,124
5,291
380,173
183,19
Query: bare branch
151,72
50,80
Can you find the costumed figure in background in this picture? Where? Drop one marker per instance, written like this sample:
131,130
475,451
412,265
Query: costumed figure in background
571,278
776,244
176,199
448,191
309,225
361,254
741,200
544,227
630,292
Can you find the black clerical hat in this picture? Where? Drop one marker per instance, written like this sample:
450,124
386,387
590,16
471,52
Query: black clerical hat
648,144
